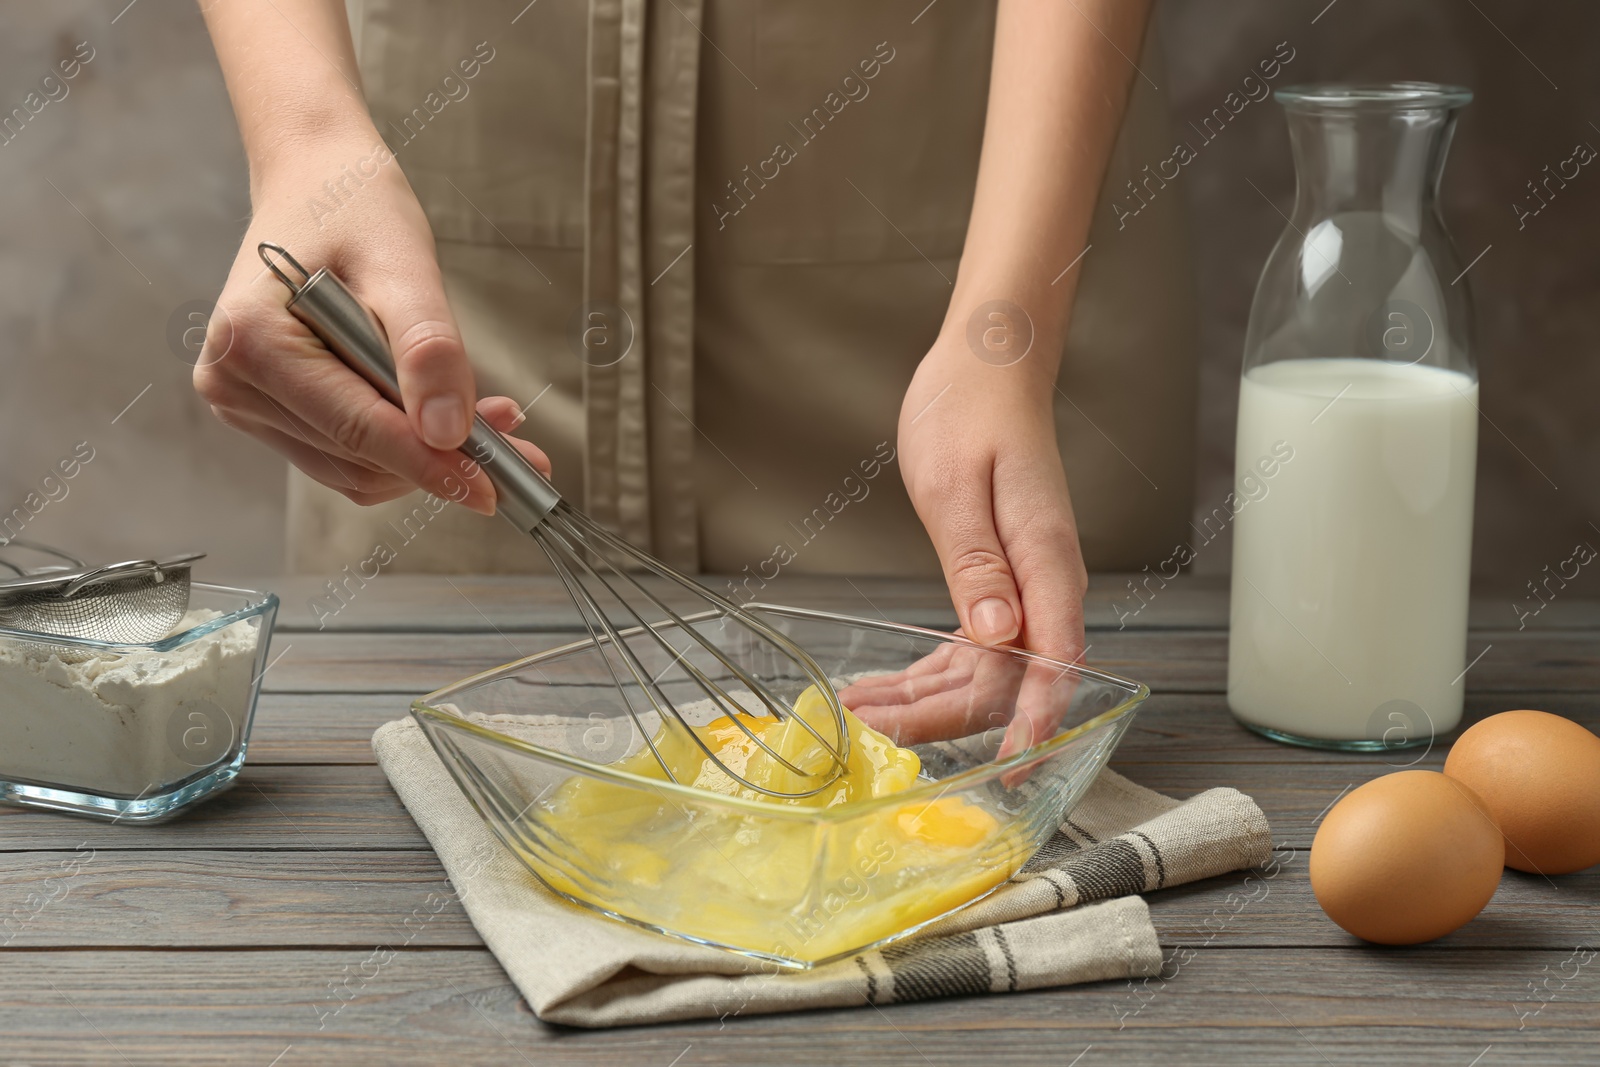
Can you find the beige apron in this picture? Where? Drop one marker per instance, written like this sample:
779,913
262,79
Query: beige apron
774,196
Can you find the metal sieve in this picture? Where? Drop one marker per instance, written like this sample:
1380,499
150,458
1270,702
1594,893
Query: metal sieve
131,602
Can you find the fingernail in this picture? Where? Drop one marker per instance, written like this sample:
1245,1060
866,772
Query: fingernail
521,418
993,621
444,422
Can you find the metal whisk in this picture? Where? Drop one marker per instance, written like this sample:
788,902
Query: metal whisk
588,558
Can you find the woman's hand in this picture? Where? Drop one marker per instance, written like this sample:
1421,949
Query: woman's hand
324,185
977,449
263,372
977,436
978,452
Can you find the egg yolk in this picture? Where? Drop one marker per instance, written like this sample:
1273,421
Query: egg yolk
801,888
948,821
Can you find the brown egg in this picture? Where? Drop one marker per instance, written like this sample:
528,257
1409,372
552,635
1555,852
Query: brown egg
1406,858
1539,775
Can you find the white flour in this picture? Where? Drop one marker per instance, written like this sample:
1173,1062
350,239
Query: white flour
126,725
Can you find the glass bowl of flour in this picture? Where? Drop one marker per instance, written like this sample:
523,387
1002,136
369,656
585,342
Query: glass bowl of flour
133,733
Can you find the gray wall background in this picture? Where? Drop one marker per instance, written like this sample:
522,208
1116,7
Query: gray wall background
125,201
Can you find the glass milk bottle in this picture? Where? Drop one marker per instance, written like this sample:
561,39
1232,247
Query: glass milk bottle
1358,418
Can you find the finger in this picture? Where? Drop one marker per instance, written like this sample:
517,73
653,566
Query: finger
940,716
933,663
901,687
533,454
302,379
258,356
436,381
502,413
1052,579
982,587
251,408
982,700
1036,526
877,689
1042,702
358,483
903,692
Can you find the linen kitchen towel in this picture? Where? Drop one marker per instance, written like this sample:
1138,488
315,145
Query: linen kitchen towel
1072,914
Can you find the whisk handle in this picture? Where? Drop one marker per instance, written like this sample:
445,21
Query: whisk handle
347,326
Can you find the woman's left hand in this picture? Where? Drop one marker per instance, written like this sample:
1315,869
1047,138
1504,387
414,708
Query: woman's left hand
978,451
977,436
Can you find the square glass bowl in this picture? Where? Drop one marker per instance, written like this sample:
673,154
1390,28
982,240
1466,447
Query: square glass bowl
548,749
133,732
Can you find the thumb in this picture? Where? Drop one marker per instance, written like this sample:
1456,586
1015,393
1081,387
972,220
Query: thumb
982,586
436,381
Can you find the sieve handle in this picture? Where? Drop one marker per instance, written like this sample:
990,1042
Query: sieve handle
351,332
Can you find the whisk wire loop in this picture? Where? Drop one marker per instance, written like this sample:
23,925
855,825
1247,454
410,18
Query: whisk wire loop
607,640
586,534
732,708
731,610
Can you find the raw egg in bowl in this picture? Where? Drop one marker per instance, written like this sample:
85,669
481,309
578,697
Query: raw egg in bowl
962,760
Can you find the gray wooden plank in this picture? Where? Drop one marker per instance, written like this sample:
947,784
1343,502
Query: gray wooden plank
1197,661
1198,728
408,664
533,602
320,727
190,898
1275,908
536,602
1170,727
183,898
1293,796
540,602
1222,1006
270,807
1181,660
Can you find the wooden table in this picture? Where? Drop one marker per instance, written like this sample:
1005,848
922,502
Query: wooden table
245,932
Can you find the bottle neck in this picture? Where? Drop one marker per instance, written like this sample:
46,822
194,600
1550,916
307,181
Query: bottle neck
1388,162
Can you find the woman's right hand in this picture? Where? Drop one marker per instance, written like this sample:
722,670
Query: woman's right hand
263,372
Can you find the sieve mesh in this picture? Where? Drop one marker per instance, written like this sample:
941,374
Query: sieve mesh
127,610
